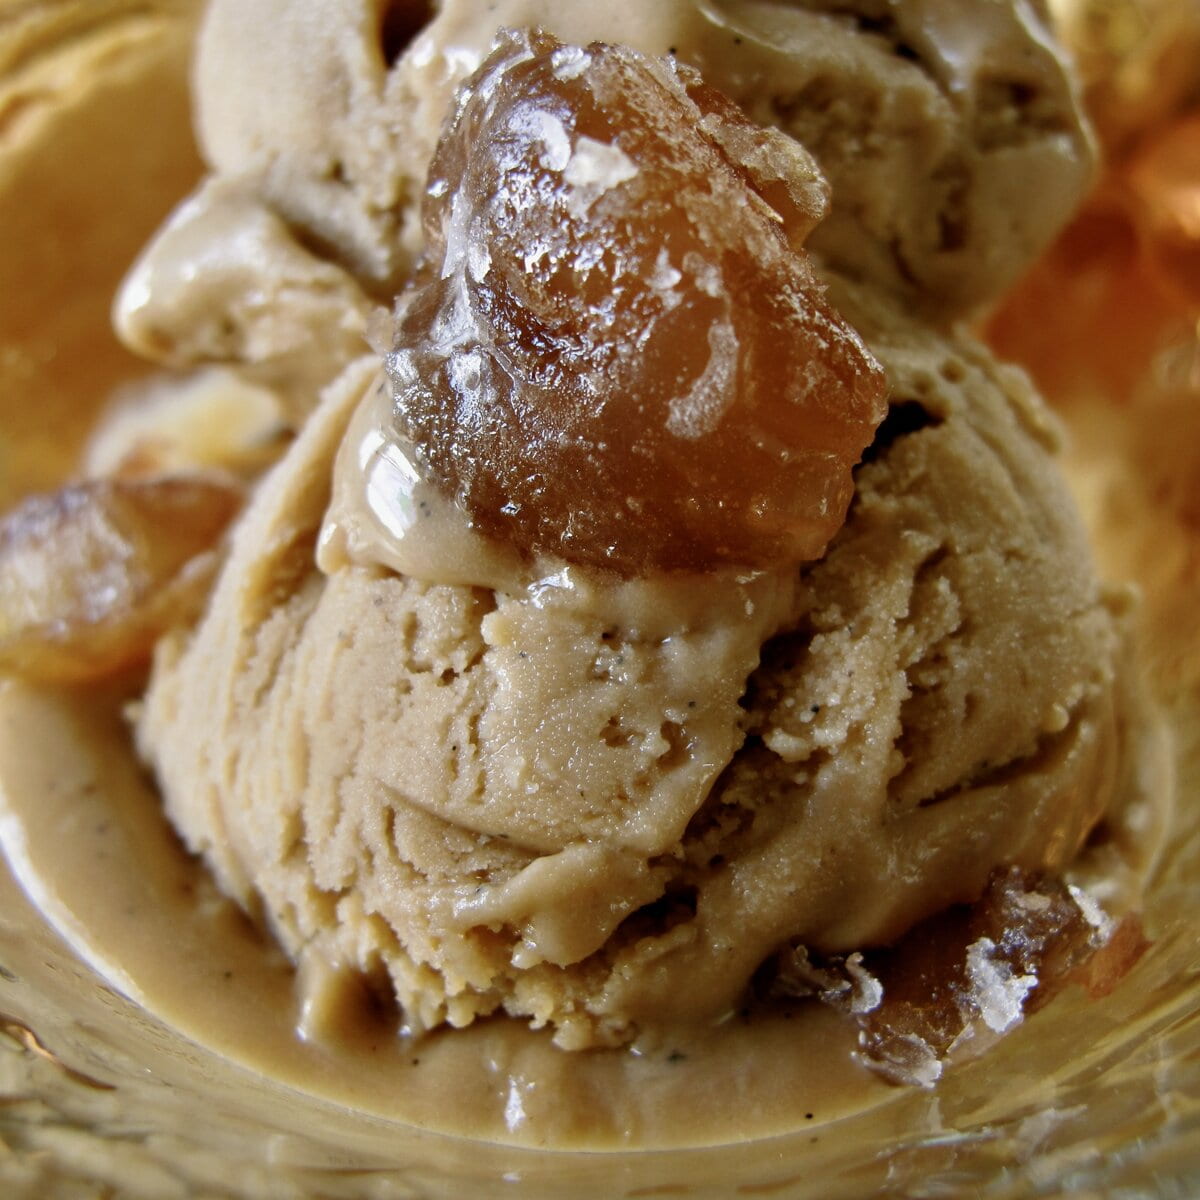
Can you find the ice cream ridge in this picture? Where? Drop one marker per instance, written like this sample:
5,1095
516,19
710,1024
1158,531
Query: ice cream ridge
675,613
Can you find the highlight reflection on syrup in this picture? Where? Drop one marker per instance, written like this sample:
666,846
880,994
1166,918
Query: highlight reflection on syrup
391,478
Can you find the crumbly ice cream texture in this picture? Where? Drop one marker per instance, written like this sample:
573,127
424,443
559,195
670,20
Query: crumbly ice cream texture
546,801
516,802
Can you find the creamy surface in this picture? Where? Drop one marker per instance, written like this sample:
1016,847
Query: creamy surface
228,281
948,130
382,512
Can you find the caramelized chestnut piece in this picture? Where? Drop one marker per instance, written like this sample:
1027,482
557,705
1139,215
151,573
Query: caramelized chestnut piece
616,350
90,575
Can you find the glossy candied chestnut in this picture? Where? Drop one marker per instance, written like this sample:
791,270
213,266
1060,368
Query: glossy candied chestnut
616,350
91,574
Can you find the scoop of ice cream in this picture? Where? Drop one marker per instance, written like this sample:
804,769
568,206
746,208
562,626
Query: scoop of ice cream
947,128
603,806
227,281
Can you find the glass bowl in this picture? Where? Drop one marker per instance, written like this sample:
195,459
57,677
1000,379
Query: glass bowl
100,1096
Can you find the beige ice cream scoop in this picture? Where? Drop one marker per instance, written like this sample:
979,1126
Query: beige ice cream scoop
947,129
492,779
534,801
507,783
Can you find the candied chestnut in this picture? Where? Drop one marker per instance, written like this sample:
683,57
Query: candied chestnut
967,973
616,349
90,575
